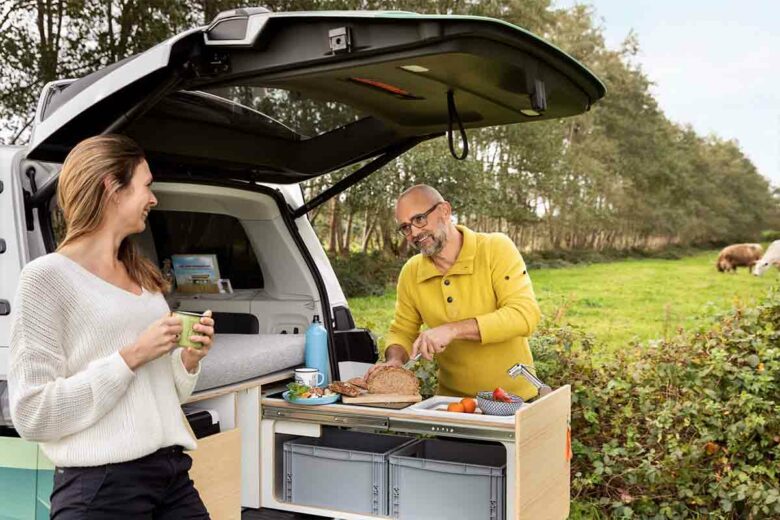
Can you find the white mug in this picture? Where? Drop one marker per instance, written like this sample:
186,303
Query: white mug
309,376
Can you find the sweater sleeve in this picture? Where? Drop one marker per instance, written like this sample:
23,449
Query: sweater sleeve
517,312
406,323
46,404
184,381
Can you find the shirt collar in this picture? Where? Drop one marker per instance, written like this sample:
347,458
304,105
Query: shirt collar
464,264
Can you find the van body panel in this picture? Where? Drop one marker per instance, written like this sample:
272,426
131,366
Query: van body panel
12,231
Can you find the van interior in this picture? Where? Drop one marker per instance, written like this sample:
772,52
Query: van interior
261,322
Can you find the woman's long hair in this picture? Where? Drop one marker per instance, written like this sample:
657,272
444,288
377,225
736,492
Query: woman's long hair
82,195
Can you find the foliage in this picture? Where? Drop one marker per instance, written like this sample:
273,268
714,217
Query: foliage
677,428
366,274
770,235
619,177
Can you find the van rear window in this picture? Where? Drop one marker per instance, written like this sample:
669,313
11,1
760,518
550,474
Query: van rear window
184,232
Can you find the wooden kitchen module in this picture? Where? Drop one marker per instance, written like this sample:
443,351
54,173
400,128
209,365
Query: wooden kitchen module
216,472
537,472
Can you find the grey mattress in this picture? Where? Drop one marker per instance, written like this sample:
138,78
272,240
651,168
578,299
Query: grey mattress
237,357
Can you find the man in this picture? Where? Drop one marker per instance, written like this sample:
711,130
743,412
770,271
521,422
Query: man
473,293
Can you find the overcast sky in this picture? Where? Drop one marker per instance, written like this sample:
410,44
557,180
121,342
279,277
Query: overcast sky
715,63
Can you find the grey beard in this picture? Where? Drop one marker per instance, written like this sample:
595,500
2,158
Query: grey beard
438,240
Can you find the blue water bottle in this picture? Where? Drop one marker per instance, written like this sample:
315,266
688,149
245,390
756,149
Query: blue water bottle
316,350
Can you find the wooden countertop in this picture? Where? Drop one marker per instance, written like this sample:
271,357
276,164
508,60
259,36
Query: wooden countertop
460,419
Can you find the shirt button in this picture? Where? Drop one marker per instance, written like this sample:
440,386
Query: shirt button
446,282
449,299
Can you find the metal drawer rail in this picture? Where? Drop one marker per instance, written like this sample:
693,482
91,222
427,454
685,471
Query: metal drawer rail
388,424
333,419
449,430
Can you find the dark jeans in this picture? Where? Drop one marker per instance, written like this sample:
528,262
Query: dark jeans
156,487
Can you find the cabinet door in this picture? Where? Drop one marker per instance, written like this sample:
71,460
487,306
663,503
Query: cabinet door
44,486
216,472
18,478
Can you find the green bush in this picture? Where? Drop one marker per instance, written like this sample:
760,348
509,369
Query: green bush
366,274
770,235
568,257
684,428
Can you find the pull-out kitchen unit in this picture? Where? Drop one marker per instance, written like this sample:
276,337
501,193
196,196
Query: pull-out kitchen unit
536,441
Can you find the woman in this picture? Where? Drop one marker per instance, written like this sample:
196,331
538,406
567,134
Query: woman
95,375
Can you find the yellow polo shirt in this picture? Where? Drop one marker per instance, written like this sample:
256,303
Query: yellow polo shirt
489,282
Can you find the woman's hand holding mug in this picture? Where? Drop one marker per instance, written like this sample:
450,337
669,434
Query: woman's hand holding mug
157,340
191,356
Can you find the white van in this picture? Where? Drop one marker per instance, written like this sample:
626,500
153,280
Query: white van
225,115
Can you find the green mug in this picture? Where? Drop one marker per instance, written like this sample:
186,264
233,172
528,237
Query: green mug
188,321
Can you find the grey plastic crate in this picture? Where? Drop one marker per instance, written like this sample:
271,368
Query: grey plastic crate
436,479
341,470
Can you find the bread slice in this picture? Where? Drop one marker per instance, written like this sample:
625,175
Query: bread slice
358,382
392,380
340,387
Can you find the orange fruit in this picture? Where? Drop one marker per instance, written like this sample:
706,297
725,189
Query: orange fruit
469,404
455,407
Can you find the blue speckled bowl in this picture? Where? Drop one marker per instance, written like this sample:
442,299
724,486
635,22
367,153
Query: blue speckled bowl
490,406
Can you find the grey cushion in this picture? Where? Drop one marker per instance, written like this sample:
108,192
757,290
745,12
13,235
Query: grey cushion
237,357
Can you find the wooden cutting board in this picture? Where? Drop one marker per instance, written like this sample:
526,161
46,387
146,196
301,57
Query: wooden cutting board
381,398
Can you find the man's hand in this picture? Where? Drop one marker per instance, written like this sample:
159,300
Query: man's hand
434,341
395,356
378,366
190,357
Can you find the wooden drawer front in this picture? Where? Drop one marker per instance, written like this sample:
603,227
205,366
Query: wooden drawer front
543,465
216,471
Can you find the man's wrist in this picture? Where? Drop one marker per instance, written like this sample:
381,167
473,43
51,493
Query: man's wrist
467,329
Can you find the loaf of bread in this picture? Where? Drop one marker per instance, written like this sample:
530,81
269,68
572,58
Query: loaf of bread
392,380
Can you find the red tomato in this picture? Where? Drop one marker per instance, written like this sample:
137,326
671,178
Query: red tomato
499,394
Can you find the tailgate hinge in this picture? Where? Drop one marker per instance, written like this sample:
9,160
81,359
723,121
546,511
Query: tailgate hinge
340,40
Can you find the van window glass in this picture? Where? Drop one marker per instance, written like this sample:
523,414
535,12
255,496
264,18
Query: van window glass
184,232
305,115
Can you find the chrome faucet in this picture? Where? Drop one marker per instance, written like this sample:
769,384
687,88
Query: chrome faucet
525,371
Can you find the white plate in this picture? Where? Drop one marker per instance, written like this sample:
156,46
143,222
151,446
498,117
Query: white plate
437,406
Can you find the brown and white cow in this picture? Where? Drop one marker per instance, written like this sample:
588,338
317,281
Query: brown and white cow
770,258
739,255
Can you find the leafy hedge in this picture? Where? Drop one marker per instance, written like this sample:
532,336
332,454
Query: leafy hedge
370,274
366,274
684,428
770,235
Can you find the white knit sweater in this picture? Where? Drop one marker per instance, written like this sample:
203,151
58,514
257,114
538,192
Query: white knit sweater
69,387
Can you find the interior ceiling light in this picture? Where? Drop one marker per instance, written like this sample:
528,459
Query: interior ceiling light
414,68
530,112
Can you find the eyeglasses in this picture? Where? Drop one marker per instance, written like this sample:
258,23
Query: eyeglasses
420,220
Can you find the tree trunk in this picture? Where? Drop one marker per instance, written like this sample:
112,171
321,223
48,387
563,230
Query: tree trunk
368,230
348,233
334,225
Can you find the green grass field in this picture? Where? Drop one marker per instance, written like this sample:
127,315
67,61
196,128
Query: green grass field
621,301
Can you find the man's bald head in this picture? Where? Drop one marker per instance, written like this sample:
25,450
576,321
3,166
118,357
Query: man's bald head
421,193
416,200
